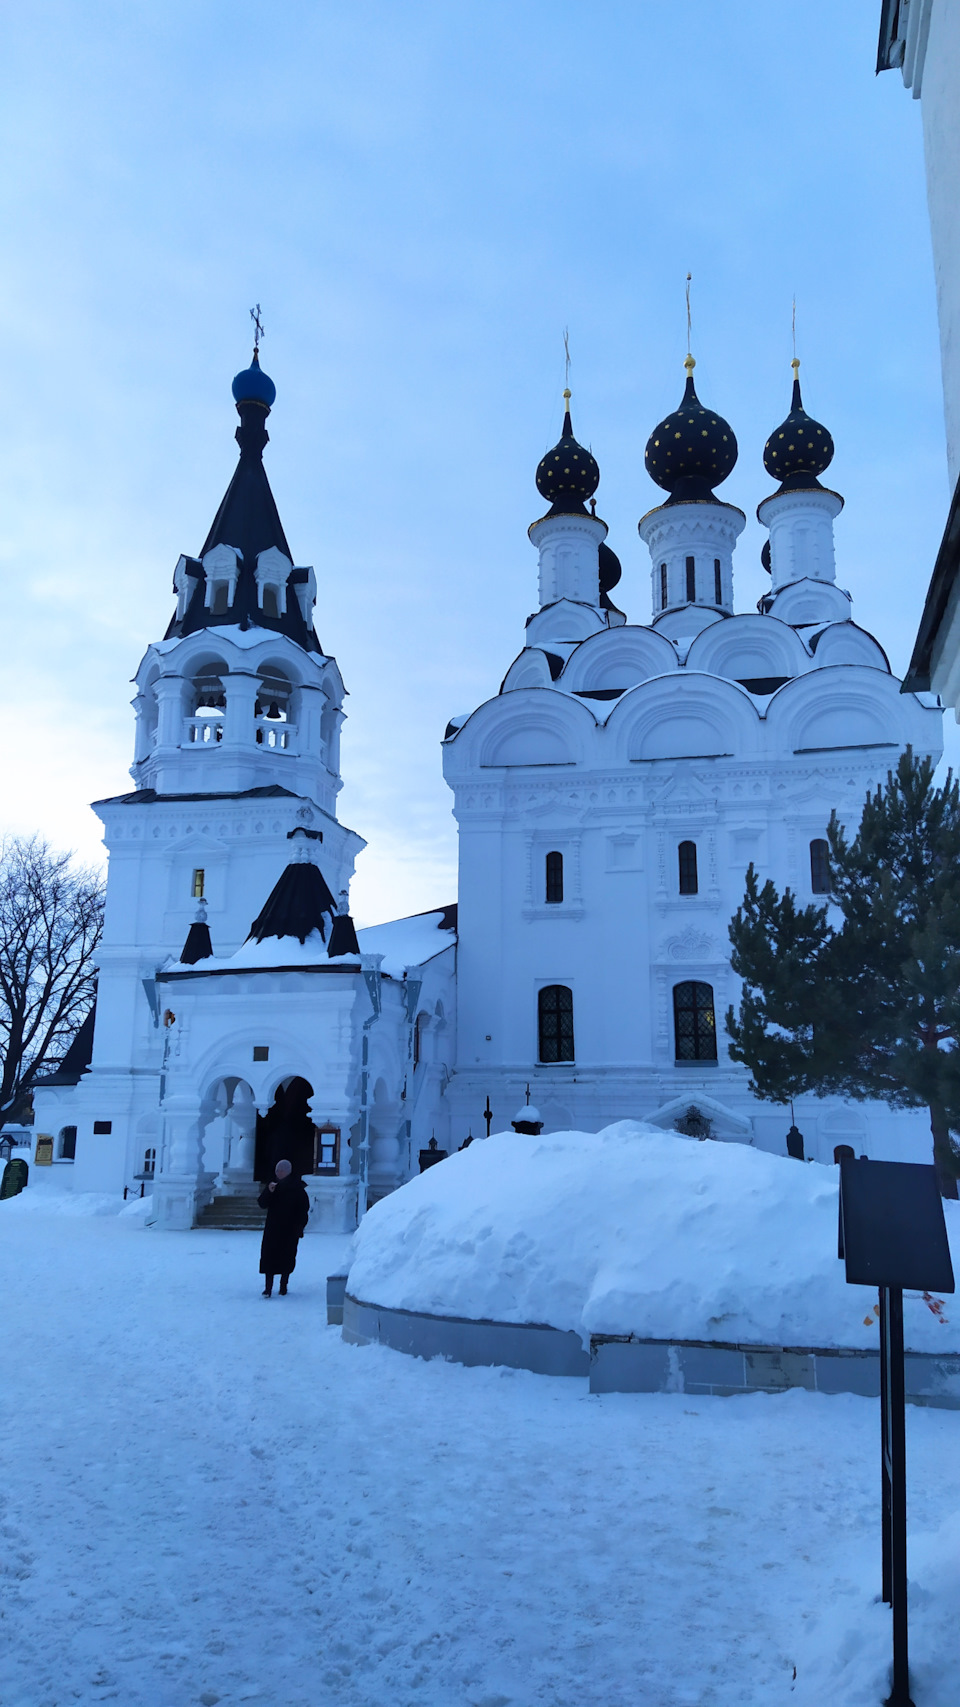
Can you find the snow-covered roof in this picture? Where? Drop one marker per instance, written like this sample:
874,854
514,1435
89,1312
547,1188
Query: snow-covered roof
411,941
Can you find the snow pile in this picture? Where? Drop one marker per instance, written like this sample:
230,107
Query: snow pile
48,1192
629,1230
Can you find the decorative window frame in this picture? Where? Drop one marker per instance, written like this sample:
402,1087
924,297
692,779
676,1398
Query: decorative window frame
273,570
535,905
220,565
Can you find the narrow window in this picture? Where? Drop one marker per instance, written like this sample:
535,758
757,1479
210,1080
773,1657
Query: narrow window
554,877
555,1023
196,887
150,1161
691,580
687,854
717,582
326,1149
270,604
694,1022
820,867
663,586
68,1144
419,1025
220,606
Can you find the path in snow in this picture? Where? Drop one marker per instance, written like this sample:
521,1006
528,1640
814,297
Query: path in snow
207,1497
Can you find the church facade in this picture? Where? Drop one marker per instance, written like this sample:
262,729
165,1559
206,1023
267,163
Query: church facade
609,799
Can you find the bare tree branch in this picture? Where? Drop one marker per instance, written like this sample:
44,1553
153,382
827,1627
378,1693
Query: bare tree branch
51,921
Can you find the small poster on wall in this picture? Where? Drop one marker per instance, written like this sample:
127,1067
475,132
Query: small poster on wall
43,1154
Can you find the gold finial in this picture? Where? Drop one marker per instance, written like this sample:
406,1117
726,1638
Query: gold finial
689,364
796,368
567,394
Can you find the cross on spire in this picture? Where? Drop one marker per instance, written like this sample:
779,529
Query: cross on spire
257,328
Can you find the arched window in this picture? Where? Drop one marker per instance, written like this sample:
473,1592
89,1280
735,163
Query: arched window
691,580
717,582
820,866
219,604
419,1027
663,586
68,1144
842,1150
554,877
694,1022
270,605
555,1023
687,859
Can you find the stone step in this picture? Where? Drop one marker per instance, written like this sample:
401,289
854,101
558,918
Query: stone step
232,1214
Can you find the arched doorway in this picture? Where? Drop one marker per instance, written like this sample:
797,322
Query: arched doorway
286,1131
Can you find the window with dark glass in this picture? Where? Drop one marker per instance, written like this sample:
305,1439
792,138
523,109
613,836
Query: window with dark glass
150,1161
68,1144
196,887
820,866
694,1022
843,1152
691,580
419,1025
663,586
220,593
687,859
555,1023
554,878
717,582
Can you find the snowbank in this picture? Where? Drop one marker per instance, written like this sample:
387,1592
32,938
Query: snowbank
629,1230
48,1193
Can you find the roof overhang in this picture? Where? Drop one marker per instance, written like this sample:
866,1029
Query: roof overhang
943,581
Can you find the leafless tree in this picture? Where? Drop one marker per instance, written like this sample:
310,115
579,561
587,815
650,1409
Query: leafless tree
51,921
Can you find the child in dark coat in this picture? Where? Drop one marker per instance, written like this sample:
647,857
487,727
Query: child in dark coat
288,1209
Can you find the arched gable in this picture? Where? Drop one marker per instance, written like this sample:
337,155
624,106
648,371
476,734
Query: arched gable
845,643
534,726
839,707
749,648
618,658
683,716
530,670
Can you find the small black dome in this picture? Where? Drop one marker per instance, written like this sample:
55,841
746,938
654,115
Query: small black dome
568,474
610,569
799,449
692,450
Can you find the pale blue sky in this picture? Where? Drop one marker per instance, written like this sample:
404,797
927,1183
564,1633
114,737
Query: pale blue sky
422,195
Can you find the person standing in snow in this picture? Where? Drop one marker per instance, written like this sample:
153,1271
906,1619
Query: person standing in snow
288,1209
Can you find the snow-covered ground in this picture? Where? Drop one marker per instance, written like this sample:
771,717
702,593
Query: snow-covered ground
631,1230
206,1497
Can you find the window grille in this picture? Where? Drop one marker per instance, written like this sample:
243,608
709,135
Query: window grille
555,1023
554,889
687,860
694,1022
820,866
150,1161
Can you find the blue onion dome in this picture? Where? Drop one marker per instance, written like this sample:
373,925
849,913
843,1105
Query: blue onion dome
254,386
692,450
799,449
568,474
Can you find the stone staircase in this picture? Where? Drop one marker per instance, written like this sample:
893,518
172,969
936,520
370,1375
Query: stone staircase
233,1214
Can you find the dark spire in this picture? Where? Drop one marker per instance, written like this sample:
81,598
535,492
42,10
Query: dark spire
800,448
692,450
343,936
248,521
198,945
300,902
568,474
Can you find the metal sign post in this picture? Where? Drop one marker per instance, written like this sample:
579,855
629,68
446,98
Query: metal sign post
893,1235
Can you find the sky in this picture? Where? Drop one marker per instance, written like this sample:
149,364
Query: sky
422,197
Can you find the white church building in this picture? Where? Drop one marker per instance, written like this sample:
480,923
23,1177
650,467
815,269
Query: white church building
609,799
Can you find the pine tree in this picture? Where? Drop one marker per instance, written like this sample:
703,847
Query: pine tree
861,996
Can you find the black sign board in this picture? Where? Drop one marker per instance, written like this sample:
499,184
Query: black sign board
892,1231
893,1235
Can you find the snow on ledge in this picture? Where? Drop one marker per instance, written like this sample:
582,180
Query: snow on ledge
630,1231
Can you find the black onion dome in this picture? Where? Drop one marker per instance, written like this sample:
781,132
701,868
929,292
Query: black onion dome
692,450
610,569
800,448
568,474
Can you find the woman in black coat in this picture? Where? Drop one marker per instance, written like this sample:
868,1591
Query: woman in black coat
288,1210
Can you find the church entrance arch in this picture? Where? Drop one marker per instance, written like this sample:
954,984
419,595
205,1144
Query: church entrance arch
286,1132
